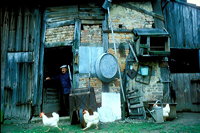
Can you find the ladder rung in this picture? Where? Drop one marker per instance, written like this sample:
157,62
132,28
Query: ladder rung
132,91
81,93
137,117
130,97
136,106
134,102
136,114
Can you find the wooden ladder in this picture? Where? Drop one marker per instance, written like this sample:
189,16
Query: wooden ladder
135,104
133,97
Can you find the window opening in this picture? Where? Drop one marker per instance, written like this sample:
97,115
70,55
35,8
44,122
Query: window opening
158,43
184,61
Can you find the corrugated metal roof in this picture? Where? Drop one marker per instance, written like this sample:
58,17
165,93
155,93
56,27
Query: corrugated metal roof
150,32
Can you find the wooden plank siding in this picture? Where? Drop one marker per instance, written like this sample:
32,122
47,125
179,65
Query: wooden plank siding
4,40
187,91
20,46
181,21
69,13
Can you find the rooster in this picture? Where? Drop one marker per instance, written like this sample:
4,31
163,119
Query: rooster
51,121
90,119
166,111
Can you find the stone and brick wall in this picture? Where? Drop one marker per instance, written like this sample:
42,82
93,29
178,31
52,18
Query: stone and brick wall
123,18
60,34
129,19
91,34
153,90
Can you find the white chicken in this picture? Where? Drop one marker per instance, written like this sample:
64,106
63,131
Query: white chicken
51,121
166,111
90,119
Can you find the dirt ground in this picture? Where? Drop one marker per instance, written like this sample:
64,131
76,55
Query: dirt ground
186,119
184,123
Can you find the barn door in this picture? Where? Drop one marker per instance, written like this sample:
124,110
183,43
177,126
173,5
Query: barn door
21,61
20,82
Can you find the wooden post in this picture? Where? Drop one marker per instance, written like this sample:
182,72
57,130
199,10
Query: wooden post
105,35
41,61
118,67
4,42
105,86
156,4
77,38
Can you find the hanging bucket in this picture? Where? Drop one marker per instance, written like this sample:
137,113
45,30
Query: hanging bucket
144,70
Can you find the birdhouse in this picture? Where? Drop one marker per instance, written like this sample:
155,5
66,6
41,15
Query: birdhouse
151,42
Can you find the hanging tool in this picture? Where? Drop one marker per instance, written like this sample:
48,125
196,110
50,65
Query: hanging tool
133,52
113,38
70,77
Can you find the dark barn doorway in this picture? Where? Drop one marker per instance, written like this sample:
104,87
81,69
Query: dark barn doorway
53,59
184,61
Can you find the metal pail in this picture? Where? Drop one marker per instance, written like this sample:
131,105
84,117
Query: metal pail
106,67
158,113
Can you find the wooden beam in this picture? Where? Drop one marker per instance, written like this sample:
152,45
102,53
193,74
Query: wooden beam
77,40
91,22
60,14
39,89
105,36
118,31
132,7
69,8
89,17
56,44
60,18
93,45
60,23
156,5
91,10
20,56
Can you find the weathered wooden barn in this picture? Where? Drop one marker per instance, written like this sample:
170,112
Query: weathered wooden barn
181,21
157,46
